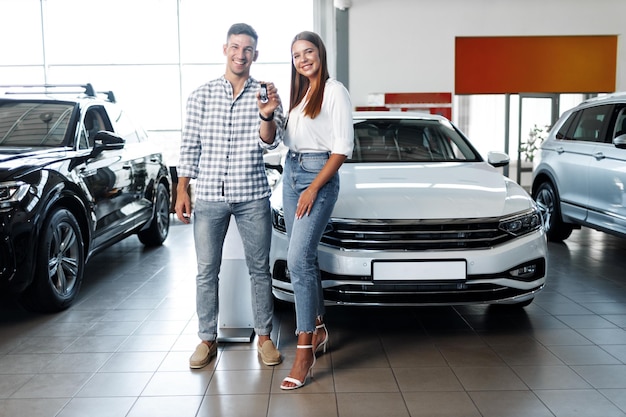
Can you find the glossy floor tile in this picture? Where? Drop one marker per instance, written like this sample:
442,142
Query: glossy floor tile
123,348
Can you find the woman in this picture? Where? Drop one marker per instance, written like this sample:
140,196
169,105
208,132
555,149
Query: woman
320,137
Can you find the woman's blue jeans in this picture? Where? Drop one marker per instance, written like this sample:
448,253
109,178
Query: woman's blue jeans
254,222
305,233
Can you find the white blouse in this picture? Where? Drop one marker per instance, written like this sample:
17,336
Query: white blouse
331,131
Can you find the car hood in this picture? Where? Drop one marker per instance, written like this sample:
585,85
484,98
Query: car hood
427,191
14,160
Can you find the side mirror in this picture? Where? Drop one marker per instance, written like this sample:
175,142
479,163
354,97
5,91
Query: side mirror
498,159
106,141
620,142
272,161
109,140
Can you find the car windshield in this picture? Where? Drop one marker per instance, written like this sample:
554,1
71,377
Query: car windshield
409,140
33,124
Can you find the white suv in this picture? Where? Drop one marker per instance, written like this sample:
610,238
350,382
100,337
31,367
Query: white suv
579,178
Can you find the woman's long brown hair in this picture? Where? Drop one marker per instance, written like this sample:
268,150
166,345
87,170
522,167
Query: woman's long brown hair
300,83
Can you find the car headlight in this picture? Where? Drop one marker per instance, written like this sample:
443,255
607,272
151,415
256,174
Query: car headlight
521,224
278,220
12,192
273,176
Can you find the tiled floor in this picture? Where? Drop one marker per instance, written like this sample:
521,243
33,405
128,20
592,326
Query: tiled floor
123,348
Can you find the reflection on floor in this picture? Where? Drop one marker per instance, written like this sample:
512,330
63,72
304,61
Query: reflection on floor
123,348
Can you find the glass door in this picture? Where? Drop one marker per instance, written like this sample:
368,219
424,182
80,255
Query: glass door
537,112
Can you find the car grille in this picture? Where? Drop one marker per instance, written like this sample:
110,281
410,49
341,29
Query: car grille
411,235
415,295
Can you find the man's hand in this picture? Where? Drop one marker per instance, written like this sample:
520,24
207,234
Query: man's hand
183,201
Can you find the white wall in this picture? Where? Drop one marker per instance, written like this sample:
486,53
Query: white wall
408,45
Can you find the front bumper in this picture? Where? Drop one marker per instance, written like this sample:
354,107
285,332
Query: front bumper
492,275
17,253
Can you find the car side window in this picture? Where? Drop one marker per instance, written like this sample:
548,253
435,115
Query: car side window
620,123
566,130
592,124
94,121
125,127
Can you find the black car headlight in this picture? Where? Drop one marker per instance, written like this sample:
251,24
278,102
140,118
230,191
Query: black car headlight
521,224
12,192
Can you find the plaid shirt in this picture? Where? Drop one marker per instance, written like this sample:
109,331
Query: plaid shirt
221,147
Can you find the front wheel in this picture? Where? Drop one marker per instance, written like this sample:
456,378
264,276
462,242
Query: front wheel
59,265
548,202
159,227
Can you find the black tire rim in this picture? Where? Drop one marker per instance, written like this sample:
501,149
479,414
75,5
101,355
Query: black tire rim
163,213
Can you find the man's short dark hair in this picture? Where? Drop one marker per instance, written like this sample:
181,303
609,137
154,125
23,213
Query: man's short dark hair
242,29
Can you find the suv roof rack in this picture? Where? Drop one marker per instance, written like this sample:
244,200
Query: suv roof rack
88,89
609,96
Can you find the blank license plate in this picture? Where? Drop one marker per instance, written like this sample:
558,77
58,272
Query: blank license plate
419,271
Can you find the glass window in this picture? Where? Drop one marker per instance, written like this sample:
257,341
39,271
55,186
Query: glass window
275,23
33,124
566,130
620,122
406,140
83,142
124,126
150,53
114,31
95,120
151,93
20,32
591,124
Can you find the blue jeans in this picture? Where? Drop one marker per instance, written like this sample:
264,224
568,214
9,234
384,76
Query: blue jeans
305,233
254,222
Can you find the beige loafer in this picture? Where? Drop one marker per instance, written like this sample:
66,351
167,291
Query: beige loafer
202,355
270,356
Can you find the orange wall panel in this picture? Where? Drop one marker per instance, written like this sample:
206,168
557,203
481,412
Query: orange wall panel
535,64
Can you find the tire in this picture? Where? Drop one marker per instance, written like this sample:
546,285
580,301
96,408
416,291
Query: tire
60,264
159,227
549,206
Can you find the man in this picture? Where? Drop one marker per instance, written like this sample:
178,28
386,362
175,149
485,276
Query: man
227,128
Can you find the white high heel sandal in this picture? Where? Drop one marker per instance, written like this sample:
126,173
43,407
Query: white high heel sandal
297,383
324,343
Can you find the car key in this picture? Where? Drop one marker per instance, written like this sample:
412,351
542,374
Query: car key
263,95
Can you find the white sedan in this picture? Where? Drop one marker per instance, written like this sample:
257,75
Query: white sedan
422,219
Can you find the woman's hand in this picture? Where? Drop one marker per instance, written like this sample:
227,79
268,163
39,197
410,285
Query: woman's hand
305,202
308,196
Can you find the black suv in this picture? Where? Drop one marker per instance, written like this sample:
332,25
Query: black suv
76,175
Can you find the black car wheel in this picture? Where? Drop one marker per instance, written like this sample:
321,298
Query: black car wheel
59,265
548,202
159,227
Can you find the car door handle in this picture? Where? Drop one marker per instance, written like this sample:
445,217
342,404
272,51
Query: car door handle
599,155
560,150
